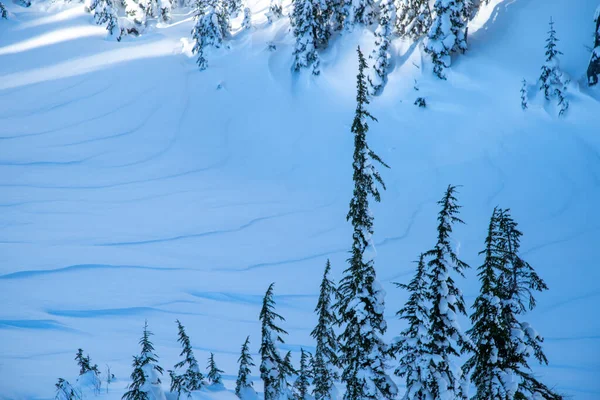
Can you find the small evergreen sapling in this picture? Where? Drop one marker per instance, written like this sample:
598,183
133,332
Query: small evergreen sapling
524,95
275,11
191,379
214,373
105,12
553,82
325,360
89,375
244,387
593,71
285,372
247,22
302,383
65,391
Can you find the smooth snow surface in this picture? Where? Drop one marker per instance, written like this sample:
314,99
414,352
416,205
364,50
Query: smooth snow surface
132,188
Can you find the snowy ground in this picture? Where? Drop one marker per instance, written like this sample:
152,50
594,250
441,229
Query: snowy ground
132,188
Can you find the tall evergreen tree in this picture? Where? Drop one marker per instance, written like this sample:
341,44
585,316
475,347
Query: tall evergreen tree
304,23
489,333
447,33
65,391
553,82
269,354
214,373
325,359
146,372
519,282
445,340
363,353
410,347
286,371
381,53
244,383
593,71
192,378
209,31
414,18
303,381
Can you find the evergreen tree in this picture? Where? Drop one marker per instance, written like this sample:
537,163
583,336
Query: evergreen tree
357,12
519,281
286,371
447,34
105,12
191,379
214,373
275,11
414,18
247,22
524,95
210,30
325,359
381,53
363,353
489,333
445,340
553,82
232,7
142,10
303,381
65,391
243,384
269,354
146,371
410,348
593,71
85,364
305,29
3,11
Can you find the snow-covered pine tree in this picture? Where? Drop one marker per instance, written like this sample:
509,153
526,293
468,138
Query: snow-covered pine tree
447,33
302,383
410,347
286,371
247,22
65,391
142,10
105,12
89,374
304,26
3,11
489,332
445,340
269,354
414,18
363,353
357,12
593,71
275,11
146,373
381,52
519,282
325,360
553,82
192,378
524,95
214,373
208,31
232,7
244,387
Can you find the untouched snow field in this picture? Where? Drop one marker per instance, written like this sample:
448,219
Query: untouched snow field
132,187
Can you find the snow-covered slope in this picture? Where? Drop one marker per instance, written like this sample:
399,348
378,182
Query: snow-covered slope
134,187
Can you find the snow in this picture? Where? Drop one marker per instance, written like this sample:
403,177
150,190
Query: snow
131,188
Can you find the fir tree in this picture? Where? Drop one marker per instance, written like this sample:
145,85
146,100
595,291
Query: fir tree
142,10
191,379
3,11
325,359
445,340
286,371
270,357
524,95
146,371
414,18
105,12
214,373
305,29
65,391
247,22
553,82
489,333
410,347
208,31
363,354
593,71
232,7
275,11
381,53
244,383
447,34
303,381
519,282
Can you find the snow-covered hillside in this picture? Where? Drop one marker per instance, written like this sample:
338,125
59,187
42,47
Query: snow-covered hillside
133,186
